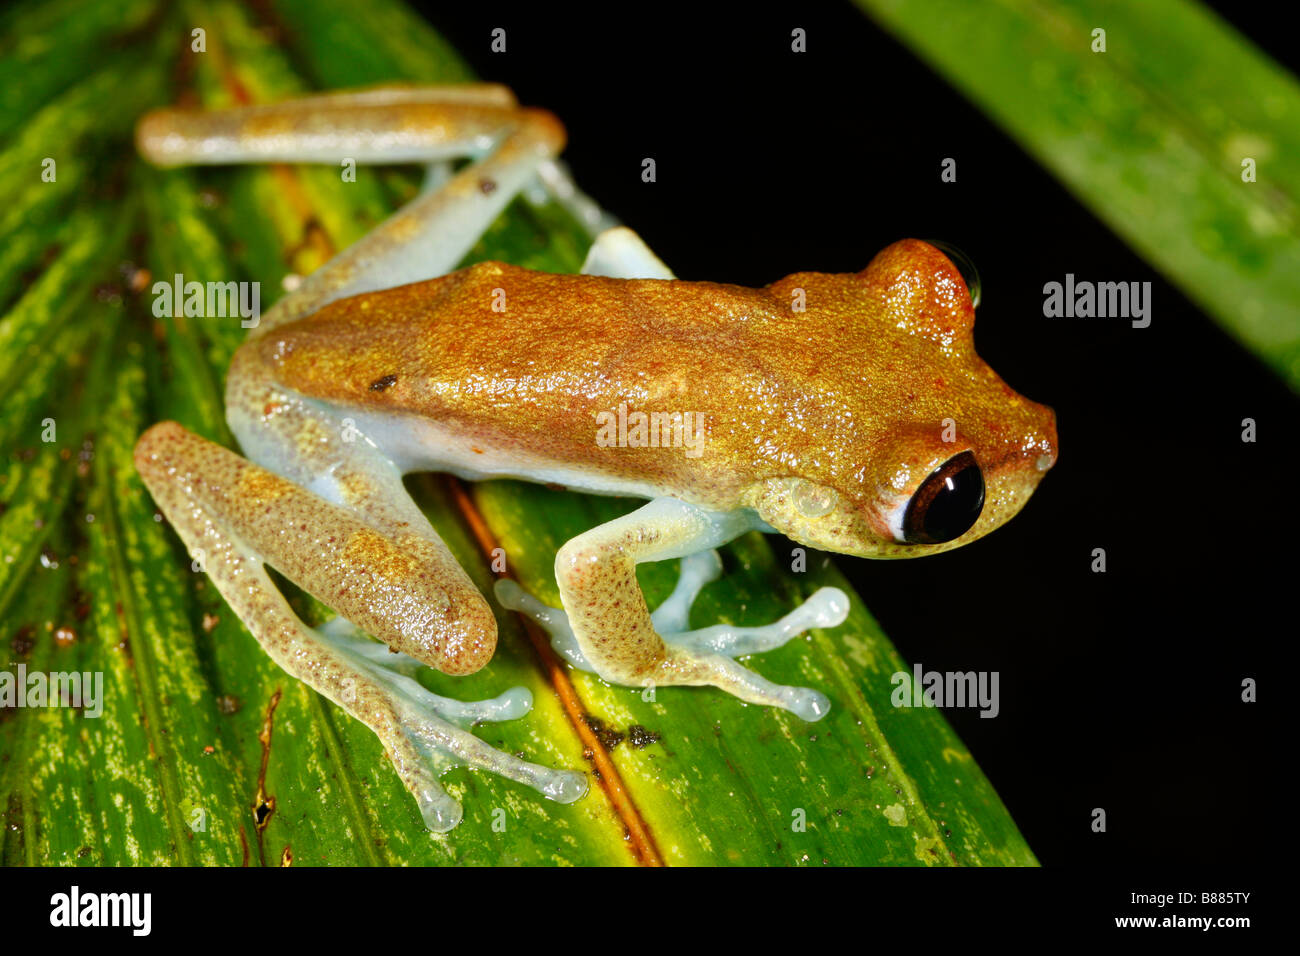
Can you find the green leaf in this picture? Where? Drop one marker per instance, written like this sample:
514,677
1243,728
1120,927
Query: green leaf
206,753
1150,135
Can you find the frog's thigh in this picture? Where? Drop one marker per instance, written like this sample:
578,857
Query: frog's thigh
384,570
228,509
596,574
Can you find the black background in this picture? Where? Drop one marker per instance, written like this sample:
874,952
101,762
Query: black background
1119,690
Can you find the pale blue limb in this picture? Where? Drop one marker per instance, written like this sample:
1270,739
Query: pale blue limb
622,254
828,607
697,570
435,724
552,620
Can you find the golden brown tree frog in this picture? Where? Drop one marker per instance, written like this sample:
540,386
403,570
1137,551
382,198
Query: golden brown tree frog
848,412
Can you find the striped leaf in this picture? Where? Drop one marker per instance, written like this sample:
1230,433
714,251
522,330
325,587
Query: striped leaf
206,753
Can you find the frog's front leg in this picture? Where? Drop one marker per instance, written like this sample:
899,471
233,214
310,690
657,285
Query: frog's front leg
607,626
513,147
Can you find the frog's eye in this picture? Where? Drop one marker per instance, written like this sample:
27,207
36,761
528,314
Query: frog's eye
947,504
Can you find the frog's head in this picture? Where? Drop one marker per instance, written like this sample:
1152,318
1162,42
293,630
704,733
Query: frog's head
941,451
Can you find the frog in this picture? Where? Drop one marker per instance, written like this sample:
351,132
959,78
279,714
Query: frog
848,412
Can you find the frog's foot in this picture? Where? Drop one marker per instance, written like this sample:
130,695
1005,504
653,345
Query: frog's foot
436,616
828,607
715,646
436,728
552,620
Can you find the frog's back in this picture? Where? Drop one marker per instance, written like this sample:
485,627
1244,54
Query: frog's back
497,337
807,375
517,365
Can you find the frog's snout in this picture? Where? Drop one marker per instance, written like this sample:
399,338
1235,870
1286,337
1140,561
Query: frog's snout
1031,450
1046,453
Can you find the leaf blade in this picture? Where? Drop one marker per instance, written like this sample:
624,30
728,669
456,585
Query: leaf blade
1151,142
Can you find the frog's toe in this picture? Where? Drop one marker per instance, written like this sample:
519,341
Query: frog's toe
720,644
427,734
444,746
552,620
828,607
439,746
811,705
697,570
704,656
734,678
439,811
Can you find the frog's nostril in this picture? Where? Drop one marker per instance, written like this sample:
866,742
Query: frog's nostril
1044,449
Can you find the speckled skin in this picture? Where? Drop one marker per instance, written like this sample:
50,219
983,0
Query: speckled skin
379,574
849,395
844,390
207,490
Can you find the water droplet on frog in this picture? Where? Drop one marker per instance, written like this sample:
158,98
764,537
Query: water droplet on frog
964,265
812,500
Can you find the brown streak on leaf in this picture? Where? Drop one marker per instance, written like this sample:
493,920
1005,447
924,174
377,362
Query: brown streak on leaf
640,839
264,806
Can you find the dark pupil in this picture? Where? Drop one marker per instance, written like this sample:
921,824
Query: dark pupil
947,504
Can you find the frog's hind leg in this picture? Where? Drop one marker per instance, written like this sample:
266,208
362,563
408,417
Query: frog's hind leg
319,502
237,515
513,148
